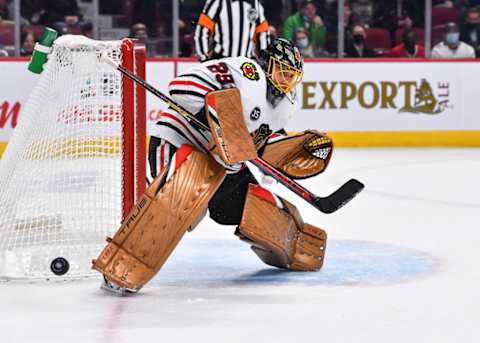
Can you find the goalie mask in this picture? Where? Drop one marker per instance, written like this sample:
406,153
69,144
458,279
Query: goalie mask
283,66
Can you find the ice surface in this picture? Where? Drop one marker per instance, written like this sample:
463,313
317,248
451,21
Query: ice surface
401,267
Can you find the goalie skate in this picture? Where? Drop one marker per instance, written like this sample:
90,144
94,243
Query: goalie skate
117,290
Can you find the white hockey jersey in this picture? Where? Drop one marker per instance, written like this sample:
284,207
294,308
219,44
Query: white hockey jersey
189,90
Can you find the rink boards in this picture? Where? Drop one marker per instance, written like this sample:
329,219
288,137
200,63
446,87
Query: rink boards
378,102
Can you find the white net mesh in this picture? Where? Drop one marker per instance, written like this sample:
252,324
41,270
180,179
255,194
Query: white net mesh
61,175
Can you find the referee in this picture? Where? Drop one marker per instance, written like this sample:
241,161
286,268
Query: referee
230,28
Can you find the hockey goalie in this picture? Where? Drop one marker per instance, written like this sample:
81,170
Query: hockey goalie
246,105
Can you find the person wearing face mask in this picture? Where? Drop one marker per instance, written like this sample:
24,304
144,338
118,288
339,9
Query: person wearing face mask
356,45
303,44
308,19
409,47
451,46
471,30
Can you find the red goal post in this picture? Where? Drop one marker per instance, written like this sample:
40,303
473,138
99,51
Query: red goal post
134,128
76,162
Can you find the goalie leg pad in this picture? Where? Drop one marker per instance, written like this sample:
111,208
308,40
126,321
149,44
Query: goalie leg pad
278,234
301,155
175,202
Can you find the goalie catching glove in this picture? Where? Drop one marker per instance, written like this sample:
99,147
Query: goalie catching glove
299,155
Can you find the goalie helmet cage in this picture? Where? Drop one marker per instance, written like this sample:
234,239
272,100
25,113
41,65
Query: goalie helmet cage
75,163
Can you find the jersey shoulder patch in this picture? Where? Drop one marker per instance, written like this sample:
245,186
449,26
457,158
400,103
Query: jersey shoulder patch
250,71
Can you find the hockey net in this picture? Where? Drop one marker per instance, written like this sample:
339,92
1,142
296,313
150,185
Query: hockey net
75,163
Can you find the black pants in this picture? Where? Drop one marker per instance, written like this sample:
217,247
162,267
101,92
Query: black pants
227,204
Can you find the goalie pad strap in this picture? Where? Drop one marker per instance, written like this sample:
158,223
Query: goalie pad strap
175,201
278,234
301,155
230,138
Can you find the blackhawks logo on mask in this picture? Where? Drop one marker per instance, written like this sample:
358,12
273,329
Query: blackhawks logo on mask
250,71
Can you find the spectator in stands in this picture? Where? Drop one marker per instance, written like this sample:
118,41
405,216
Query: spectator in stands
153,14
412,14
301,40
187,42
28,43
4,12
3,51
347,15
451,46
162,42
363,11
330,15
409,47
139,31
61,12
308,19
471,29
355,46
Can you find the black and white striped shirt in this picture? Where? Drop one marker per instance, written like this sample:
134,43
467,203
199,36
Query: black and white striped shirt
231,28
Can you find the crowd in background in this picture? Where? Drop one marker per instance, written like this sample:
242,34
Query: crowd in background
372,28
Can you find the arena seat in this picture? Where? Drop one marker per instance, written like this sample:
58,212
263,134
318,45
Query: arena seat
36,29
443,15
378,38
7,33
437,34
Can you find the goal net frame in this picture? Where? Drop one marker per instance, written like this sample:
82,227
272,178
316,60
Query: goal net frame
29,248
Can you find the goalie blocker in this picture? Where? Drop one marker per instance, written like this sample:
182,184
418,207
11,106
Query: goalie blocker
230,138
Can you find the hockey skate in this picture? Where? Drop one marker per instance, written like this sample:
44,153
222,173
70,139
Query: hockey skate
117,290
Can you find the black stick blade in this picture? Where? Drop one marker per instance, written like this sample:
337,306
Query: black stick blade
340,197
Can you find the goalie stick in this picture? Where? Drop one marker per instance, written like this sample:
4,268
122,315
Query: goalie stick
328,204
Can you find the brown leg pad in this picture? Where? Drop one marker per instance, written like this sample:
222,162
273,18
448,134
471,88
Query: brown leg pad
154,227
278,235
